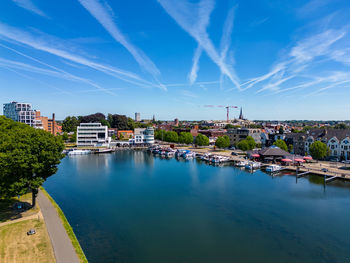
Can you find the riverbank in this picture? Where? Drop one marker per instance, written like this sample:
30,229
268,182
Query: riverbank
62,248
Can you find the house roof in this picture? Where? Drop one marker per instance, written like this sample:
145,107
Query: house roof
273,151
327,134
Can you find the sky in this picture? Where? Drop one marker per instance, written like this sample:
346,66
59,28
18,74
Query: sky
277,59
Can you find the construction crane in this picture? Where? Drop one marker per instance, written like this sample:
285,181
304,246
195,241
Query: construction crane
222,106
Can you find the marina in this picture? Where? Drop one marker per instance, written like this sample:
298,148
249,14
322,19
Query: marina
140,207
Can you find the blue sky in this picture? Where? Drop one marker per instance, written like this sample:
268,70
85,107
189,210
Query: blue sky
276,59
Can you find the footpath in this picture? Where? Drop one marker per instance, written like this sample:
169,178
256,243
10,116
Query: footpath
62,245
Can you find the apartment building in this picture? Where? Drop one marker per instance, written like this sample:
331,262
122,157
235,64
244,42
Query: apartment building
238,134
20,112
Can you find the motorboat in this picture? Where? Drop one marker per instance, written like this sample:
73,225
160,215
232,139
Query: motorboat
241,163
180,153
206,157
189,155
79,152
219,159
272,168
252,165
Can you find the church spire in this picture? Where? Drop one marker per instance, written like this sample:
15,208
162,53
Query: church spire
241,115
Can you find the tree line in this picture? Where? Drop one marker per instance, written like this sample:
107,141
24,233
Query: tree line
121,122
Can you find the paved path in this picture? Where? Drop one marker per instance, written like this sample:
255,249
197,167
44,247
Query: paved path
62,246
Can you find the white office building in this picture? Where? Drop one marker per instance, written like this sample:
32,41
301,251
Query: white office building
143,136
21,112
92,135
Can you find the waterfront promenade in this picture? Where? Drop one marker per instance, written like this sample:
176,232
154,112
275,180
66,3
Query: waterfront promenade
62,246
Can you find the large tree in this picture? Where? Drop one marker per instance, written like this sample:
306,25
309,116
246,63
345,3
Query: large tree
28,157
185,137
171,136
222,142
243,145
201,140
70,124
251,142
281,144
121,122
97,117
318,150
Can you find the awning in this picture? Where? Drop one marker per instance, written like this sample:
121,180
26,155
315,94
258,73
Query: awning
299,160
307,158
286,160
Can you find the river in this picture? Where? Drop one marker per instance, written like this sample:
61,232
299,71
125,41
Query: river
132,207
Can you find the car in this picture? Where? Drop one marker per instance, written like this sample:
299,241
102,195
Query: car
31,232
325,170
233,153
346,161
232,148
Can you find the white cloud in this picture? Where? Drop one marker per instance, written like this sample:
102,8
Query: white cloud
104,16
51,45
195,67
194,19
28,4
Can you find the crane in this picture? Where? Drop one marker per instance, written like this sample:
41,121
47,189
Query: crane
222,106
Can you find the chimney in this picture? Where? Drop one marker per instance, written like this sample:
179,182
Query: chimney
53,123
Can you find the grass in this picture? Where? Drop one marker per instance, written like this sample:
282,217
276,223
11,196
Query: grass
16,246
68,228
8,213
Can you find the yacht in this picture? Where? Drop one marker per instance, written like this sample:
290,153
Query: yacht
189,155
79,152
273,168
206,157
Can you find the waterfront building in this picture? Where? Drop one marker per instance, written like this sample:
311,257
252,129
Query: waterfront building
143,136
337,140
137,116
238,134
20,112
92,135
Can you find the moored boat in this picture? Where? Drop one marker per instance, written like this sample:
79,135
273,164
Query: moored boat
273,168
79,152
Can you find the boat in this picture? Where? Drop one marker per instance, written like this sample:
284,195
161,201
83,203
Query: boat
219,159
273,168
79,152
206,157
104,150
170,153
241,163
180,153
252,165
189,155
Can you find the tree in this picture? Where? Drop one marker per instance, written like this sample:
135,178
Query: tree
73,137
70,124
97,117
243,145
318,150
251,142
114,137
171,136
121,122
201,140
65,136
281,130
290,148
222,142
341,126
281,144
28,157
185,137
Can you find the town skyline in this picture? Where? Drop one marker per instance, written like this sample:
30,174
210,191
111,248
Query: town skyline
279,61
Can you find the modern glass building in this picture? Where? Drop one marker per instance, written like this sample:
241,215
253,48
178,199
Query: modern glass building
21,112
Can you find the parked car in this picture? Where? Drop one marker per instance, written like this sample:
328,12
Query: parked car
233,153
31,232
325,170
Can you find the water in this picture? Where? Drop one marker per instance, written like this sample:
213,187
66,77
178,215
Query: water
133,207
